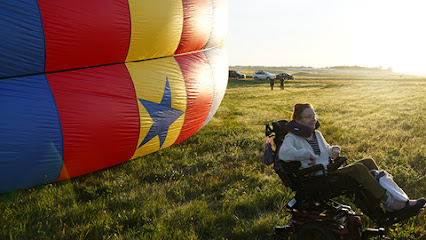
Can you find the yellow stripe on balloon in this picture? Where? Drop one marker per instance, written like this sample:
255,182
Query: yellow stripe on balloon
149,79
156,28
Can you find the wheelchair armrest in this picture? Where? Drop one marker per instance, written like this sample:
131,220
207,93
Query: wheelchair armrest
309,170
333,166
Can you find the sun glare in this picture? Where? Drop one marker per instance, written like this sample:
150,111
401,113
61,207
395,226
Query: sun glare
391,34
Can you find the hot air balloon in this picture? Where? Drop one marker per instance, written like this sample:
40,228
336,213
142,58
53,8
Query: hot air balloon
85,85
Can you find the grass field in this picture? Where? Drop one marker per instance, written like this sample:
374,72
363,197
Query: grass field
213,185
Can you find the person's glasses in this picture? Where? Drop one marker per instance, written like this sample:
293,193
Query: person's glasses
311,117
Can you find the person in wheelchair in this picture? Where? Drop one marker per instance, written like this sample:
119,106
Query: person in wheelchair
307,145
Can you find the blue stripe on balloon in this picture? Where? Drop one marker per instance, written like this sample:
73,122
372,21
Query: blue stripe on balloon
22,48
31,146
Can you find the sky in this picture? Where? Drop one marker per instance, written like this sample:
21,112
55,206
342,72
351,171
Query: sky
324,33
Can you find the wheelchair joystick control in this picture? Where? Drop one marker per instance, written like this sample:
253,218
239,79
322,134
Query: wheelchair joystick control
291,203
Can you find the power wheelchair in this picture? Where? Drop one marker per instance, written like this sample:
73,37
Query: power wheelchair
314,215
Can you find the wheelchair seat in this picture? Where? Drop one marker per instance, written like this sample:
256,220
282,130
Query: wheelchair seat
310,188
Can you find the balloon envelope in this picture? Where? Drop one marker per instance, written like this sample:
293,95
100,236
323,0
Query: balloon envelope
86,85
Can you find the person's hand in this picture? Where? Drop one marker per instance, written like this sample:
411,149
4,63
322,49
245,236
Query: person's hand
335,152
313,160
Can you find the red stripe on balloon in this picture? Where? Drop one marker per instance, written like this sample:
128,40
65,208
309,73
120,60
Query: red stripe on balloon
82,33
199,89
197,25
99,117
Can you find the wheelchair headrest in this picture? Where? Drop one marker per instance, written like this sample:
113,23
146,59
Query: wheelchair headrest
300,129
280,128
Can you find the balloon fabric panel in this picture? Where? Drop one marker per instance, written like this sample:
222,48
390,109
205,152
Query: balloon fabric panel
219,68
162,103
30,133
83,33
219,25
156,28
22,39
197,24
99,117
199,90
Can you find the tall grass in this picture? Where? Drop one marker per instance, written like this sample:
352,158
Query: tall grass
213,185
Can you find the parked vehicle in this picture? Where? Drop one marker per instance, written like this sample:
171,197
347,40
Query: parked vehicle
263,75
236,74
285,76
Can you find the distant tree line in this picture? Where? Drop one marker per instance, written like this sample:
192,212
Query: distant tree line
355,67
379,68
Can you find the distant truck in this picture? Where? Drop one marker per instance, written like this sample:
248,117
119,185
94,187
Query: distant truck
236,74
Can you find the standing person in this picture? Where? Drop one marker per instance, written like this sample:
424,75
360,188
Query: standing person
313,149
282,82
272,82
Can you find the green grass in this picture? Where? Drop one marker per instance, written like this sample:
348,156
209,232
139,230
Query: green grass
213,185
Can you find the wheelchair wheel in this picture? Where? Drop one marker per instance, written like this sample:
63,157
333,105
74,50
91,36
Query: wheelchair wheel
282,232
315,231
